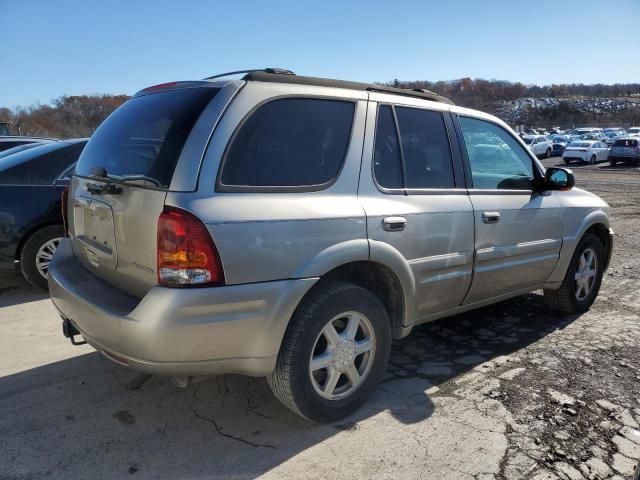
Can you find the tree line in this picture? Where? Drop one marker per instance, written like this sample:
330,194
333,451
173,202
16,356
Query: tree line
79,115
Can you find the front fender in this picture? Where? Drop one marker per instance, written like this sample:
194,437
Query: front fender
570,240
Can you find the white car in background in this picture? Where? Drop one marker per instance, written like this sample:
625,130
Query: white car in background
633,131
540,145
585,151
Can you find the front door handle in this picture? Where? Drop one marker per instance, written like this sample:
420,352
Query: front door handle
491,217
394,224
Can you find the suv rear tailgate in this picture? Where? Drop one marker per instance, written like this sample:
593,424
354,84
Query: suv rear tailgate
122,179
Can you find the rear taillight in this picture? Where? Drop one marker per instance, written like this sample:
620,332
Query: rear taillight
64,202
186,252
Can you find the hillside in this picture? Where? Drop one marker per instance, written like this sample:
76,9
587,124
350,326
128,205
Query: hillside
516,103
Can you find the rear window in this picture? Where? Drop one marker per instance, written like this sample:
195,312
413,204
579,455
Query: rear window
145,136
39,165
626,143
579,144
291,142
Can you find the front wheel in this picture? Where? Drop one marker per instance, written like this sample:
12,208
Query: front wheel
334,352
582,281
548,153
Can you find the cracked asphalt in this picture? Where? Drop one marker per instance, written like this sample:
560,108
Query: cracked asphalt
510,391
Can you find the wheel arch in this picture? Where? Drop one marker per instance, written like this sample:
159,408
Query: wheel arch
29,233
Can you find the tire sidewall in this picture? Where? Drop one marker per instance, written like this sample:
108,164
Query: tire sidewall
588,241
30,249
354,298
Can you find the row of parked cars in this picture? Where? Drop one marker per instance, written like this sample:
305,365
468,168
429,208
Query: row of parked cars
589,145
33,174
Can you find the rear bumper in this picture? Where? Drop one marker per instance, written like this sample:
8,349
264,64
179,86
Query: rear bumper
172,331
624,158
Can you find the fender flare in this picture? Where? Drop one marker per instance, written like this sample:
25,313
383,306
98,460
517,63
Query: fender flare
569,243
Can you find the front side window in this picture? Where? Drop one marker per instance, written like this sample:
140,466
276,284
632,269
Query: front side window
291,142
496,159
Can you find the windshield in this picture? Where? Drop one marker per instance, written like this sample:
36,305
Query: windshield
143,139
527,140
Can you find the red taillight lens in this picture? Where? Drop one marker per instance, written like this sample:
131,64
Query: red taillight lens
186,252
64,203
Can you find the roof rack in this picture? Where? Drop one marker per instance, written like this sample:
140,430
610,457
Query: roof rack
277,75
274,70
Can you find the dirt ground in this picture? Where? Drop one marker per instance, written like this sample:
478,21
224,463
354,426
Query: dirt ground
507,392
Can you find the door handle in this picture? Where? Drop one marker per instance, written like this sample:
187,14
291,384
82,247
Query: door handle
491,217
394,224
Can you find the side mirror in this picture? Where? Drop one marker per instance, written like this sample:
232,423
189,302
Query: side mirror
558,179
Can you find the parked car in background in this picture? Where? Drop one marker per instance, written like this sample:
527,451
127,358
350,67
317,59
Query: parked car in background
598,136
633,131
31,182
9,142
625,150
610,137
4,128
558,145
590,151
292,227
20,148
540,145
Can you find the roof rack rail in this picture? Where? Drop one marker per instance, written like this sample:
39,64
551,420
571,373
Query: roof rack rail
280,71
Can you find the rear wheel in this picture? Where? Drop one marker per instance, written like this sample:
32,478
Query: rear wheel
334,352
548,153
567,161
37,252
582,281
592,160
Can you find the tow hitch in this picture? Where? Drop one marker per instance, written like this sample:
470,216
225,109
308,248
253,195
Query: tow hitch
69,331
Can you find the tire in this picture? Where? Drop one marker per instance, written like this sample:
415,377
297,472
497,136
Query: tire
548,153
592,160
567,162
613,162
565,300
43,241
292,381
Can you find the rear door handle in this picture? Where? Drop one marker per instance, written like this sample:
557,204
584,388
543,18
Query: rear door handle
394,224
491,217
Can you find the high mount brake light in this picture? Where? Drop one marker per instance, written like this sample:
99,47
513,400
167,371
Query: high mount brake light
160,86
187,255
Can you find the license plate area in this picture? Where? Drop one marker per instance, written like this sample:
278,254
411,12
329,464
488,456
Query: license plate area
93,227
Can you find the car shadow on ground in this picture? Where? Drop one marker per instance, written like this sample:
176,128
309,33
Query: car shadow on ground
85,414
14,290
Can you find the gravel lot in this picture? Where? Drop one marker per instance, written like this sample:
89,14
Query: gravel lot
506,392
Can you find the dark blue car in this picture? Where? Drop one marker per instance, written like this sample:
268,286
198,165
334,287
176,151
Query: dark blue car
31,185
560,142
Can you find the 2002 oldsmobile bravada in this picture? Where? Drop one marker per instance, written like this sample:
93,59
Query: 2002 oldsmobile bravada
291,227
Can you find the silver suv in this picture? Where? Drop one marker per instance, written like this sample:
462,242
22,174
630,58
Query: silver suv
291,227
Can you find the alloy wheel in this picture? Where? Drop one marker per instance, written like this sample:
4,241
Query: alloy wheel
45,254
586,273
342,355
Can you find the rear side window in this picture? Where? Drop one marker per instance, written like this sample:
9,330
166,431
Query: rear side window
387,163
291,142
145,136
423,150
626,143
39,165
425,147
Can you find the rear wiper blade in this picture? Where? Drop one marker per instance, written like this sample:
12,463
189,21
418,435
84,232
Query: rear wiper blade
134,178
